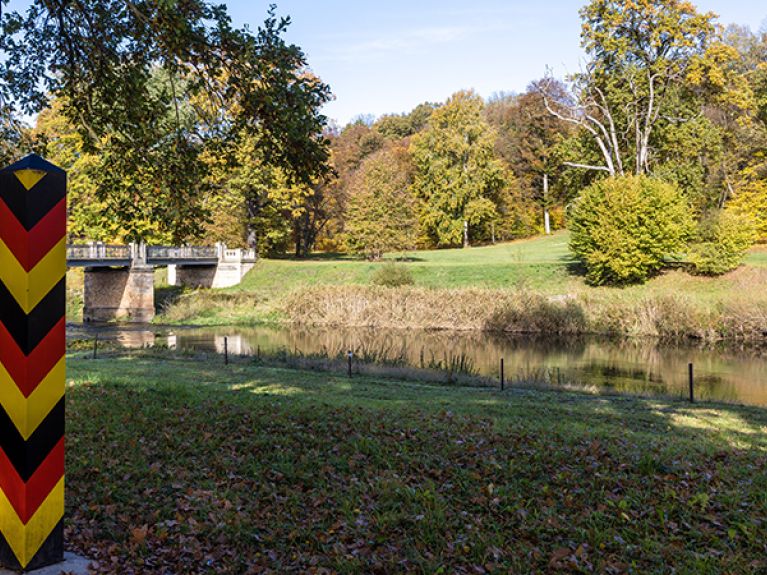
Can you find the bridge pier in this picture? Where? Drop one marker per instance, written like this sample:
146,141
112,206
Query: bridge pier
120,294
231,267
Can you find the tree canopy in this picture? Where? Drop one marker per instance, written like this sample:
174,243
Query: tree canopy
457,176
149,85
175,125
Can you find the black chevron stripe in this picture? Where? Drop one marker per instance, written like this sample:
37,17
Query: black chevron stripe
30,207
29,330
49,553
26,456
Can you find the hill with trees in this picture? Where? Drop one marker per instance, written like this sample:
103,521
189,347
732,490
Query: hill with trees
180,145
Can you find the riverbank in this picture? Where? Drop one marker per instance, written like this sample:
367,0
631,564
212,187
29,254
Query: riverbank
632,366
528,286
413,477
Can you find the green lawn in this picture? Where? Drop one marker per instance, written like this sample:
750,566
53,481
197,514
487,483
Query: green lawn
184,466
542,263
537,263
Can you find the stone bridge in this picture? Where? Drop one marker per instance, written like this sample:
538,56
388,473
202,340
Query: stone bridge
119,280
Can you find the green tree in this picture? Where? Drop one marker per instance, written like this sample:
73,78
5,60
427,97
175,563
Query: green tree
399,126
527,139
60,142
10,134
253,202
721,242
457,176
382,212
692,153
650,63
623,228
127,72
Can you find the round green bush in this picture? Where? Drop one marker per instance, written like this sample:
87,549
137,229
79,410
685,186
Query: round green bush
393,275
623,228
721,243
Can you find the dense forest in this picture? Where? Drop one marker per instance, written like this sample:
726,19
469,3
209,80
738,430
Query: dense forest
666,93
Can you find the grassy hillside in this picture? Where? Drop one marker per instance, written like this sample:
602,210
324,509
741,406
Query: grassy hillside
480,281
279,288
541,264
298,472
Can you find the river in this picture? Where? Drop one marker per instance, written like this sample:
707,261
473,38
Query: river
636,366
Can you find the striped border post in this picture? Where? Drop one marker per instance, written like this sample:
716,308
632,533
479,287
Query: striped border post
32,349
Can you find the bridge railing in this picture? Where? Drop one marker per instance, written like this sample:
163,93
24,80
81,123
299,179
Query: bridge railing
181,253
238,255
98,251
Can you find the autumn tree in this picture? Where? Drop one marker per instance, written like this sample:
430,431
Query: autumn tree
399,126
646,60
457,177
125,73
58,140
746,153
527,139
382,212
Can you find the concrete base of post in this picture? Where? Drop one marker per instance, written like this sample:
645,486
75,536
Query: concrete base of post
72,565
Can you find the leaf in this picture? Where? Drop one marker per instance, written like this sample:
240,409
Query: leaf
138,534
558,556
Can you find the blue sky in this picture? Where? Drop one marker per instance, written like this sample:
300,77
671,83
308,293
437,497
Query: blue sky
386,57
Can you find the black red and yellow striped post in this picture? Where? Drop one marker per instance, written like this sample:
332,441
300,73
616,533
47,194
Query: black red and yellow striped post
32,350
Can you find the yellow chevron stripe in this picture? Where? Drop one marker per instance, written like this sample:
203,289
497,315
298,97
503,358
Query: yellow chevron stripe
27,413
29,288
25,540
29,178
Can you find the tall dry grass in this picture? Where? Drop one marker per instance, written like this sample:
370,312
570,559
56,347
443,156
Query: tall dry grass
408,307
212,306
665,316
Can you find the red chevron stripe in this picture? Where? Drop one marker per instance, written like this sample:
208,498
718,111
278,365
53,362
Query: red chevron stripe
30,247
26,498
29,371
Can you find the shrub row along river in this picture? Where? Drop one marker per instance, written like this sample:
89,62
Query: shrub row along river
634,366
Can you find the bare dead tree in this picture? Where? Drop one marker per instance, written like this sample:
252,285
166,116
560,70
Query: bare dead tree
591,110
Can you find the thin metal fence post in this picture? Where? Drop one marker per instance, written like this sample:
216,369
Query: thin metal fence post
692,383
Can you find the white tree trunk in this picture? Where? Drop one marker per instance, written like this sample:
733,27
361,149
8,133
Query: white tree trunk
546,221
465,233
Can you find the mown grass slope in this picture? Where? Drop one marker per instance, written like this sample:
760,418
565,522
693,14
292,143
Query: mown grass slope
541,263
184,466
536,263
703,307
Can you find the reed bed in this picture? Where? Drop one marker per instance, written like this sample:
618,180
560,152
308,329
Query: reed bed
666,316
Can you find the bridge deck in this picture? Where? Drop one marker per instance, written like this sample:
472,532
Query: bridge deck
102,255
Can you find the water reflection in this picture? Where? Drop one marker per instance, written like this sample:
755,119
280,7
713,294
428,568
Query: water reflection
630,366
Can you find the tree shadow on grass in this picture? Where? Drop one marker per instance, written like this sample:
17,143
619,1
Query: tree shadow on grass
574,267
342,257
708,425
166,296
319,256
